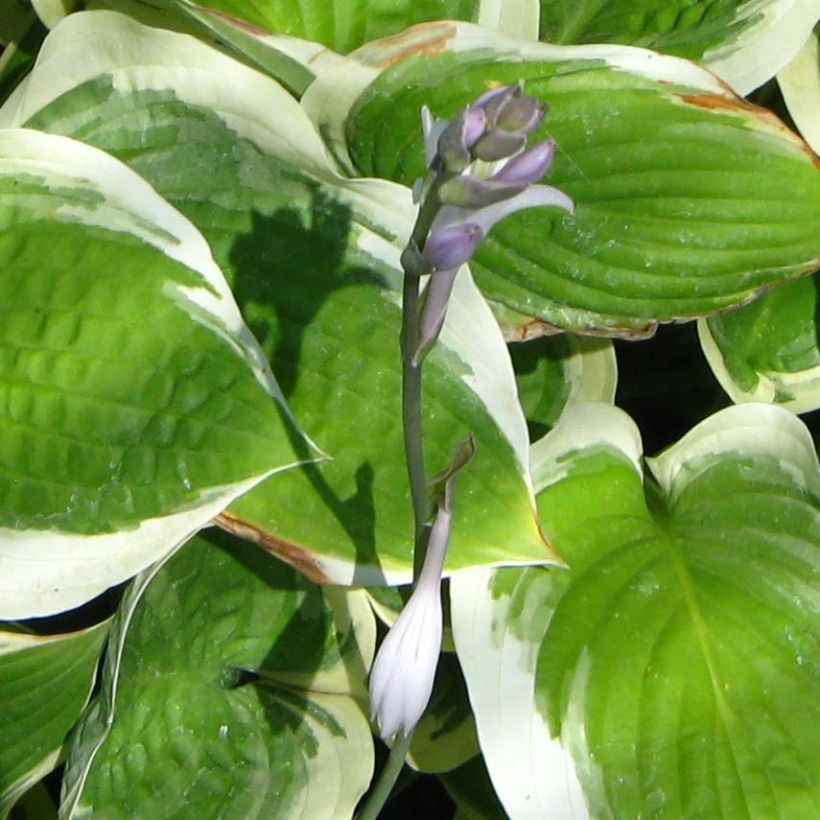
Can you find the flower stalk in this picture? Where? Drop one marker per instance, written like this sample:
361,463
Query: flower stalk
478,172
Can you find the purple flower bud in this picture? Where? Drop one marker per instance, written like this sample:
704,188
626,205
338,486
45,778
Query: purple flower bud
433,311
459,137
471,192
494,102
528,167
504,90
521,114
449,247
496,145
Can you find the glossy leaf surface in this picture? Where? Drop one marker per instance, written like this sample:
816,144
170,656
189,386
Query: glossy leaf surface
687,199
673,669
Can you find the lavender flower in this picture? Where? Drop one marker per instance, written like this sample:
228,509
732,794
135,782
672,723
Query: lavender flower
401,680
473,196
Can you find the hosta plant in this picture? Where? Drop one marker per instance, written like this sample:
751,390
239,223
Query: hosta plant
231,234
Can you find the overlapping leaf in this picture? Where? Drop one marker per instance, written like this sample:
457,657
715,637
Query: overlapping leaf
135,403
687,199
230,682
342,25
745,42
673,669
768,350
312,260
45,682
799,82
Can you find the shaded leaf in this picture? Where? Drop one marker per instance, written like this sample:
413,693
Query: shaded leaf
229,684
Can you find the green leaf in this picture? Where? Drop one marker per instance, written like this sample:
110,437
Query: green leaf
45,681
553,371
313,262
674,669
688,200
229,684
445,738
343,25
799,82
135,403
289,61
745,42
768,350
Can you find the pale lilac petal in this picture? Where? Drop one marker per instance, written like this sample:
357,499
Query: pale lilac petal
536,196
432,129
528,167
458,138
487,96
401,680
466,191
451,246
434,309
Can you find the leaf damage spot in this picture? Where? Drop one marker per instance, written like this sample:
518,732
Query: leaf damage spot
428,39
297,557
737,105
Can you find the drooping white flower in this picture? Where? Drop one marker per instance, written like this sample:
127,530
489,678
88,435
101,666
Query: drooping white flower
401,680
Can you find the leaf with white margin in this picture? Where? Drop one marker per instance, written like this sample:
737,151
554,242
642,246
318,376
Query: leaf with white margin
290,61
678,659
745,42
554,371
341,25
233,682
776,31
768,350
799,83
136,403
45,681
313,260
688,200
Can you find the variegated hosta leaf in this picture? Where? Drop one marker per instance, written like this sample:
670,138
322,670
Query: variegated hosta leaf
313,262
135,403
230,688
445,738
745,42
768,350
674,669
554,371
45,681
289,61
340,24
799,82
687,199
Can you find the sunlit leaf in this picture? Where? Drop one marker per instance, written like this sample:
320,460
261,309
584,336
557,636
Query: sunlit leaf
135,403
768,350
688,200
45,681
313,263
745,42
673,669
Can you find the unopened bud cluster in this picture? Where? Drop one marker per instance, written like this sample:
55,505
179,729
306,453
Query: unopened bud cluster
480,170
